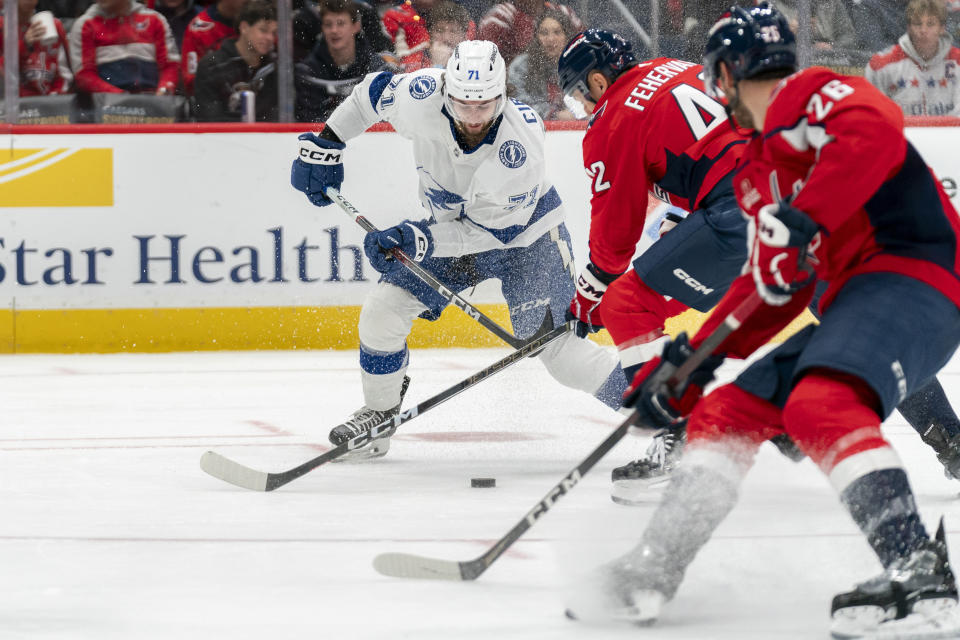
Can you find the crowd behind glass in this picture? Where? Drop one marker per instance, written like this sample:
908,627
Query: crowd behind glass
176,60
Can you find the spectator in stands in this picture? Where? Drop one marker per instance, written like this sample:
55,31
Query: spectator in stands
205,33
244,63
44,65
533,74
179,14
510,24
953,19
834,38
120,46
307,29
700,15
65,10
407,28
920,72
448,24
879,22
408,25
338,62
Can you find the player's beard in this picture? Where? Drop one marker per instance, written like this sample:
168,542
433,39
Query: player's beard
469,139
738,112
743,116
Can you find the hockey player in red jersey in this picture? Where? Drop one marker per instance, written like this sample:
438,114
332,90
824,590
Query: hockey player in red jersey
887,241
655,131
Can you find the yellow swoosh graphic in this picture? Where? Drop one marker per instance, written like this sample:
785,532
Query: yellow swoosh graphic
57,178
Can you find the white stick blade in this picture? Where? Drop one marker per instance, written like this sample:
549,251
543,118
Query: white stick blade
233,472
405,565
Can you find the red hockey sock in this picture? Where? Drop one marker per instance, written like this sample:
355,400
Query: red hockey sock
634,315
832,416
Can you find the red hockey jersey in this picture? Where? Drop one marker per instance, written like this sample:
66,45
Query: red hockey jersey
512,29
837,145
204,33
654,130
44,71
129,53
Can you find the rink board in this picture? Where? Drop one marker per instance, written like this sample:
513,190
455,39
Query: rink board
191,238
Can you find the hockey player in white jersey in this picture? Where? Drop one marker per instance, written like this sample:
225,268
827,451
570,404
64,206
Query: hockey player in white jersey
491,213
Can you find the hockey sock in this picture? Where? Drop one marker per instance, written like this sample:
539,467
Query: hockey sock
928,408
381,375
634,315
611,392
883,506
697,499
834,417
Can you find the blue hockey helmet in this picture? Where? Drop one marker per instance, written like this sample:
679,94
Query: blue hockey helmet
593,49
750,41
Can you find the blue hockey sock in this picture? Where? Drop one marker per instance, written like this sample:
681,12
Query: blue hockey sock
611,391
631,371
380,362
929,406
882,505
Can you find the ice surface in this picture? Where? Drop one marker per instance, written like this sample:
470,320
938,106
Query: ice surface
108,528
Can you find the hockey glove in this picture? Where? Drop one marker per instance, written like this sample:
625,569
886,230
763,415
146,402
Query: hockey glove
670,220
319,165
786,240
660,406
592,283
411,237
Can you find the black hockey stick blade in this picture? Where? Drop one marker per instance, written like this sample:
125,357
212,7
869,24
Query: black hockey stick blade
451,296
243,476
406,565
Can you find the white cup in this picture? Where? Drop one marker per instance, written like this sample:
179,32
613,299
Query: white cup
50,35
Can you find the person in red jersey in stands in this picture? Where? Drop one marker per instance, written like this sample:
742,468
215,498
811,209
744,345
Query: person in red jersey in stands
120,46
44,62
205,33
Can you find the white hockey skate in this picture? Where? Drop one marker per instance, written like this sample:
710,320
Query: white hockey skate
633,482
615,594
916,599
363,420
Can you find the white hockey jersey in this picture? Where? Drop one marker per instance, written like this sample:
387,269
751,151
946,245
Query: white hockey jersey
921,87
493,196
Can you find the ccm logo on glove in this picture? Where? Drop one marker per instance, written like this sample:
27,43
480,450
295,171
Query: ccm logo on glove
312,154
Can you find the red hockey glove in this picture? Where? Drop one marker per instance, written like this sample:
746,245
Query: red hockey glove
786,241
585,306
660,406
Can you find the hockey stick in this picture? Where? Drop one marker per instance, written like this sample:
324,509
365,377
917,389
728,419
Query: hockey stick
235,473
406,565
432,282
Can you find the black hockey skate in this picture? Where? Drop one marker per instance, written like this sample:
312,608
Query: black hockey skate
632,481
947,449
363,420
915,598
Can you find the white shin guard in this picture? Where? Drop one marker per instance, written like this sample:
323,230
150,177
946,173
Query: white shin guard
578,363
385,322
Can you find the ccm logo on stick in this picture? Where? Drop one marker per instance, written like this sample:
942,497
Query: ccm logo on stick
692,282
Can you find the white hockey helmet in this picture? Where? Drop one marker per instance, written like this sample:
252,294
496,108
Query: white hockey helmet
475,73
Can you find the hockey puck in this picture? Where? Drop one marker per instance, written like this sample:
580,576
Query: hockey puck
483,483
